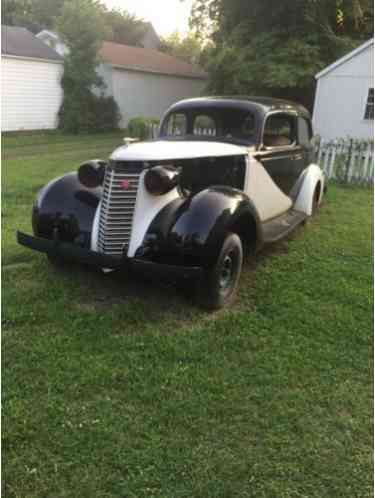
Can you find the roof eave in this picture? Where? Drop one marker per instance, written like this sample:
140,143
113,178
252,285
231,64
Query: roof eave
344,59
38,59
140,69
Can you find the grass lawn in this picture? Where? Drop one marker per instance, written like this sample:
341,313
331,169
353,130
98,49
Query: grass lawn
123,389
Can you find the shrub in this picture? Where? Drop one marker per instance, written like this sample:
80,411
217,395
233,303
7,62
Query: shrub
140,127
89,114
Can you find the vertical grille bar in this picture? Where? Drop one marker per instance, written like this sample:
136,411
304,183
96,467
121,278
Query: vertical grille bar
120,190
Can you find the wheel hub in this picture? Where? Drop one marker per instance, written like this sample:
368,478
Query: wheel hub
226,273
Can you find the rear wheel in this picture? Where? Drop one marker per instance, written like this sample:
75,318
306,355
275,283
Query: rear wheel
221,281
315,201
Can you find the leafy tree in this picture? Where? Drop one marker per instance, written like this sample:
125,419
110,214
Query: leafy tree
34,15
188,48
123,27
82,29
276,48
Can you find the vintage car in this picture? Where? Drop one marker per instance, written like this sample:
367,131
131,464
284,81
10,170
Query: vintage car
224,175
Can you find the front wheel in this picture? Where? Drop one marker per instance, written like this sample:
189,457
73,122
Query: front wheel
221,281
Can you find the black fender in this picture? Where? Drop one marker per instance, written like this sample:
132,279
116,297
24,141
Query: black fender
192,230
65,209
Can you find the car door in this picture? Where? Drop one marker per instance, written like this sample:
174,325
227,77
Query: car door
280,152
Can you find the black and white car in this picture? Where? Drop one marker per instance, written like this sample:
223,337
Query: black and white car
224,174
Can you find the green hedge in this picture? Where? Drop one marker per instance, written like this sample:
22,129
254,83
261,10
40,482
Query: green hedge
90,113
140,127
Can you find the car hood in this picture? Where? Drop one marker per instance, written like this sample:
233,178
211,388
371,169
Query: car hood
166,150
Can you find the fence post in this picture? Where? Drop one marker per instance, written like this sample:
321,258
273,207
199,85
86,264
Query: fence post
349,162
330,172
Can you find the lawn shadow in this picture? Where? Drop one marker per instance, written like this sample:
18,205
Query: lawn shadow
158,300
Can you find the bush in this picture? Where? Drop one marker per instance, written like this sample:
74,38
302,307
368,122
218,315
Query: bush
89,113
141,127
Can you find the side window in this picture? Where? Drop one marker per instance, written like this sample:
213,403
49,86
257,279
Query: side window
204,125
369,111
304,132
279,130
177,125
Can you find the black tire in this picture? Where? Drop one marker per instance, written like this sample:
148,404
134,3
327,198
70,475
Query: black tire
221,281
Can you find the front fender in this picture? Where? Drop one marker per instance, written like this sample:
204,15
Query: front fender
193,230
304,200
67,206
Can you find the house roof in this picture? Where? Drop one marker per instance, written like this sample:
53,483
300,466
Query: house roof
346,57
22,43
148,60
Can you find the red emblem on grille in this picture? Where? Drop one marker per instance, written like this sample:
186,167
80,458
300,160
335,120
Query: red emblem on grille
125,184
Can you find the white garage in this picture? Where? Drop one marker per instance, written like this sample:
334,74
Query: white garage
31,93
145,82
344,100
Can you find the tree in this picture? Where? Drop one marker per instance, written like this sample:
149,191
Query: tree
275,48
187,48
123,27
82,29
34,15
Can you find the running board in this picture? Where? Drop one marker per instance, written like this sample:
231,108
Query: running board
280,227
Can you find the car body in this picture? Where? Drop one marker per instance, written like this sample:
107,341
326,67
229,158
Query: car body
224,173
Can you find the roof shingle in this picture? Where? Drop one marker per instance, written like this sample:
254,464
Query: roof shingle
22,43
148,60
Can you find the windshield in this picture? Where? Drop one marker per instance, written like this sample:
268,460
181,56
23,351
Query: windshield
229,125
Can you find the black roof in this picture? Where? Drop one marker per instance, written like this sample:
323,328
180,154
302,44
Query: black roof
259,105
22,43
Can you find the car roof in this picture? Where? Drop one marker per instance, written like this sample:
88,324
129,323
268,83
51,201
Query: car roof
259,105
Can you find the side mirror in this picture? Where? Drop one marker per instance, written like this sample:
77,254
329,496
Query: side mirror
315,141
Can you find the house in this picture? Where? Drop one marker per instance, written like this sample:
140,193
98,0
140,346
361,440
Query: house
31,71
150,39
344,100
143,81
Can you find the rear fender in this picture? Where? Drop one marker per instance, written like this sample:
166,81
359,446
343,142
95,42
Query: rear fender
313,176
192,230
66,206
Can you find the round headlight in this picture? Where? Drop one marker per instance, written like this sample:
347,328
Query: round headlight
91,173
161,179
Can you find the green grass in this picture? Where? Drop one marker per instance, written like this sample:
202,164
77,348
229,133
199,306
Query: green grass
118,388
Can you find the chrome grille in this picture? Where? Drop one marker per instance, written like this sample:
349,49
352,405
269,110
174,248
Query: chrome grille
117,209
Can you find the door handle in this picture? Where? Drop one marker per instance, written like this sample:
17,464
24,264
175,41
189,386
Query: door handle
297,157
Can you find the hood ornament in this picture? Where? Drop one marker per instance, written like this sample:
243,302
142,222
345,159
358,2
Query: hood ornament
129,140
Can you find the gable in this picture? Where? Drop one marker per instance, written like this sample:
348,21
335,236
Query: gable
355,62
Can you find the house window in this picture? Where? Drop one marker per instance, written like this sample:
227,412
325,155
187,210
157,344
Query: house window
369,112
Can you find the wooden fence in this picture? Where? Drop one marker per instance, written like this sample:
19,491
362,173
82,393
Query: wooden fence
347,161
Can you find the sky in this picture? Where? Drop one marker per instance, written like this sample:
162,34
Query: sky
166,16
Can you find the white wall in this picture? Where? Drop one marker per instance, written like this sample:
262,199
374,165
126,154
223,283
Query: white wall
341,96
149,95
31,94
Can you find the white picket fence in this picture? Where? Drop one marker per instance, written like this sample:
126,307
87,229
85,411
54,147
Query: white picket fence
347,161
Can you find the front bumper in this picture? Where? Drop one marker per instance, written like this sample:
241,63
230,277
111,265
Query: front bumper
76,254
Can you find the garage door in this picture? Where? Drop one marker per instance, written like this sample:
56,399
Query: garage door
31,94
